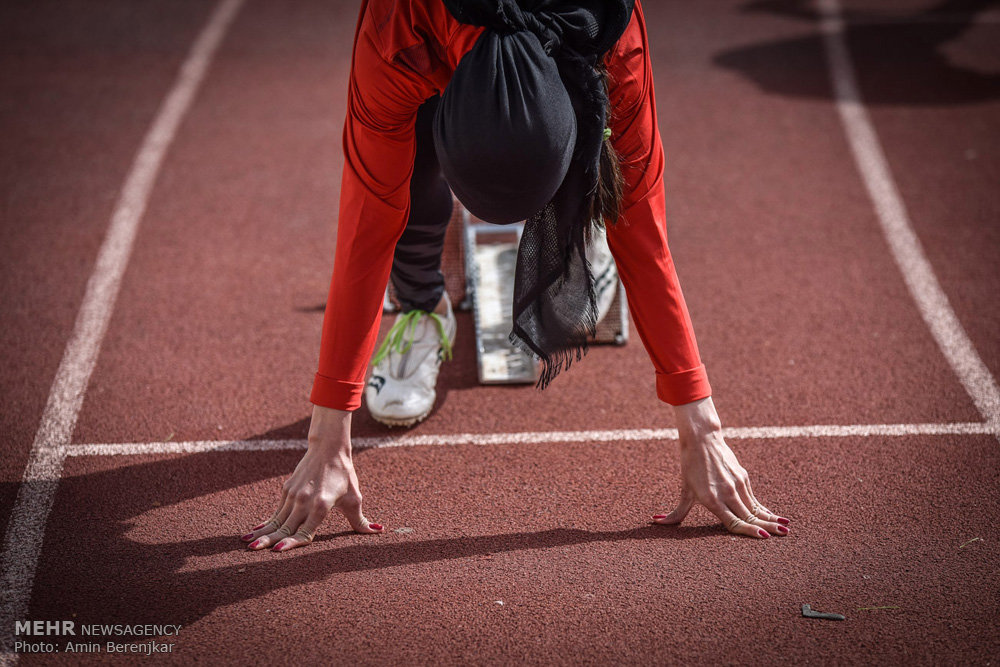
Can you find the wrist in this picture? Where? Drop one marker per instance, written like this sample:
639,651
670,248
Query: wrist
330,431
697,420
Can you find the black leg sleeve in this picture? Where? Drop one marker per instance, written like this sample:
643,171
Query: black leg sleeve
416,265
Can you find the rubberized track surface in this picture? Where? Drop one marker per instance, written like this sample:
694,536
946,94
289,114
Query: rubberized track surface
782,230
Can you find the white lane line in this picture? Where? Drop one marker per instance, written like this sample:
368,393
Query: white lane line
26,529
903,242
538,437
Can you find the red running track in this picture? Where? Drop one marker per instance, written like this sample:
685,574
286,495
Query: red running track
802,315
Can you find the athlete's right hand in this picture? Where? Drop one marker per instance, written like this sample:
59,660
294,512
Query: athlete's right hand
322,481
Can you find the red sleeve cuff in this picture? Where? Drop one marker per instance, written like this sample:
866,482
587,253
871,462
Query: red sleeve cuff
336,394
683,386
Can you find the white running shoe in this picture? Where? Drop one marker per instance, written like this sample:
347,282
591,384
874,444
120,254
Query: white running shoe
401,390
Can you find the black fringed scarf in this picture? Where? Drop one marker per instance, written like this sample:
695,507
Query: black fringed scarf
519,133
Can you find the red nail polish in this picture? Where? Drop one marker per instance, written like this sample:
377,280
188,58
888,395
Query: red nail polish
280,546
782,530
783,521
247,537
763,533
254,544
659,516
260,526
375,526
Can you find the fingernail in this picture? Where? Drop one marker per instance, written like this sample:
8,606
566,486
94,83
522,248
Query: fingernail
255,544
783,521
659,516
782,530
260,526
375,526
763,533
247,537
280,546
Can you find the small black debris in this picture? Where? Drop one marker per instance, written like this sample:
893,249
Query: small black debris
809,613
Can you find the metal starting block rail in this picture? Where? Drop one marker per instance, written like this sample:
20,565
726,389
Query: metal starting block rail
490,259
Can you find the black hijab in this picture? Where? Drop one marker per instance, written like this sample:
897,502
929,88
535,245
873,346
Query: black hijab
519,133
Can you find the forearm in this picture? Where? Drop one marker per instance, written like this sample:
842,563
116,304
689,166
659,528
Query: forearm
638,240
367,232
655,299
374,199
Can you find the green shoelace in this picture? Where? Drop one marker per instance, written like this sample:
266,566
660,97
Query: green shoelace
401,335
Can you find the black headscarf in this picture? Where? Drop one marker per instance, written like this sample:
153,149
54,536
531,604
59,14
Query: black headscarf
519,133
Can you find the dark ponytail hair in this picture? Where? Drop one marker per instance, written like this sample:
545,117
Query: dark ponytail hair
605,205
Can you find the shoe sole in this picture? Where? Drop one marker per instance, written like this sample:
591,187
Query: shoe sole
409,421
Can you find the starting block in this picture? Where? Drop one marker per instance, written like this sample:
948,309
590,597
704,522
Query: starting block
486,260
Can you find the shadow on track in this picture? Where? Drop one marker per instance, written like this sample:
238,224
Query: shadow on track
103,573
899,58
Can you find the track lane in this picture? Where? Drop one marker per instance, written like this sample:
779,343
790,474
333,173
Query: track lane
946,157
223,300
932,99
558,533
794,297
425,579
80,87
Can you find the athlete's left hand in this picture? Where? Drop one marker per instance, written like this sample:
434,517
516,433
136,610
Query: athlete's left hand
711,475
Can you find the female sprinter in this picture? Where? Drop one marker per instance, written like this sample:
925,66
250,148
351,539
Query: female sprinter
546,115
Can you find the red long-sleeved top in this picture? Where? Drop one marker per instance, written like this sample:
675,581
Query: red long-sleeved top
404,52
